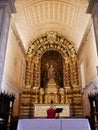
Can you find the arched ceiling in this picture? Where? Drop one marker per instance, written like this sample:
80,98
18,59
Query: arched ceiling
36,17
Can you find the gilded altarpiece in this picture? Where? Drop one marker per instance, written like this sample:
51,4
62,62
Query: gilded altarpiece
52,74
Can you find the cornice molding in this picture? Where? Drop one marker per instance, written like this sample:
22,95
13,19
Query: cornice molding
88,29
18,38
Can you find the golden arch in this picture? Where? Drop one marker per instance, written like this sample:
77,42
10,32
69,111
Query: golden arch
51,41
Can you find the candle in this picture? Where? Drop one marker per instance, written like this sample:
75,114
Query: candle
9,119
10,103
93,103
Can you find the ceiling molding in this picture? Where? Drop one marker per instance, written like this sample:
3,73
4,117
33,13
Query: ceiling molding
35,17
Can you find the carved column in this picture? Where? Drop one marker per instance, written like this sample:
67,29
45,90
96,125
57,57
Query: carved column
93,9
28,74
62,95
6,9
41,93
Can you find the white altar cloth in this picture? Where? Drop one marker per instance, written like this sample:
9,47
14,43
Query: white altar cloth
53,124
75,124
38,124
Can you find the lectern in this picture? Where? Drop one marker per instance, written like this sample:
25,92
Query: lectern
58,110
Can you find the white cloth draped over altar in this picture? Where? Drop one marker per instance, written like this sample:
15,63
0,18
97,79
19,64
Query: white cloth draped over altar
53,124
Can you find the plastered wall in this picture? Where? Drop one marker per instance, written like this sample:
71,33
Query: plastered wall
89,62
13,76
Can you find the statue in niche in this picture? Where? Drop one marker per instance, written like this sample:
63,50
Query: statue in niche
51,68
51,72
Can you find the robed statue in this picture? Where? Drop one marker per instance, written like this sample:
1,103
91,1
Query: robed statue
51,72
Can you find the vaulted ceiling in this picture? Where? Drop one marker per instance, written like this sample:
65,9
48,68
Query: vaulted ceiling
36,17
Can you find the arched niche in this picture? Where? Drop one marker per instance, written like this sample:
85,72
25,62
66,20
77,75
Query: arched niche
48,59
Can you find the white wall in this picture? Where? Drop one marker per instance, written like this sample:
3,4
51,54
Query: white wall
82,75
89,61
13,76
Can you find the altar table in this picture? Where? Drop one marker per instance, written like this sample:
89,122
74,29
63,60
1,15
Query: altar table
53,124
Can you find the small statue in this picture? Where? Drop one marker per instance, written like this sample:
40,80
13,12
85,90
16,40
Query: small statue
51,72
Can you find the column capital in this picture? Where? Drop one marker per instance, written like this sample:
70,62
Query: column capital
9,3
93,4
